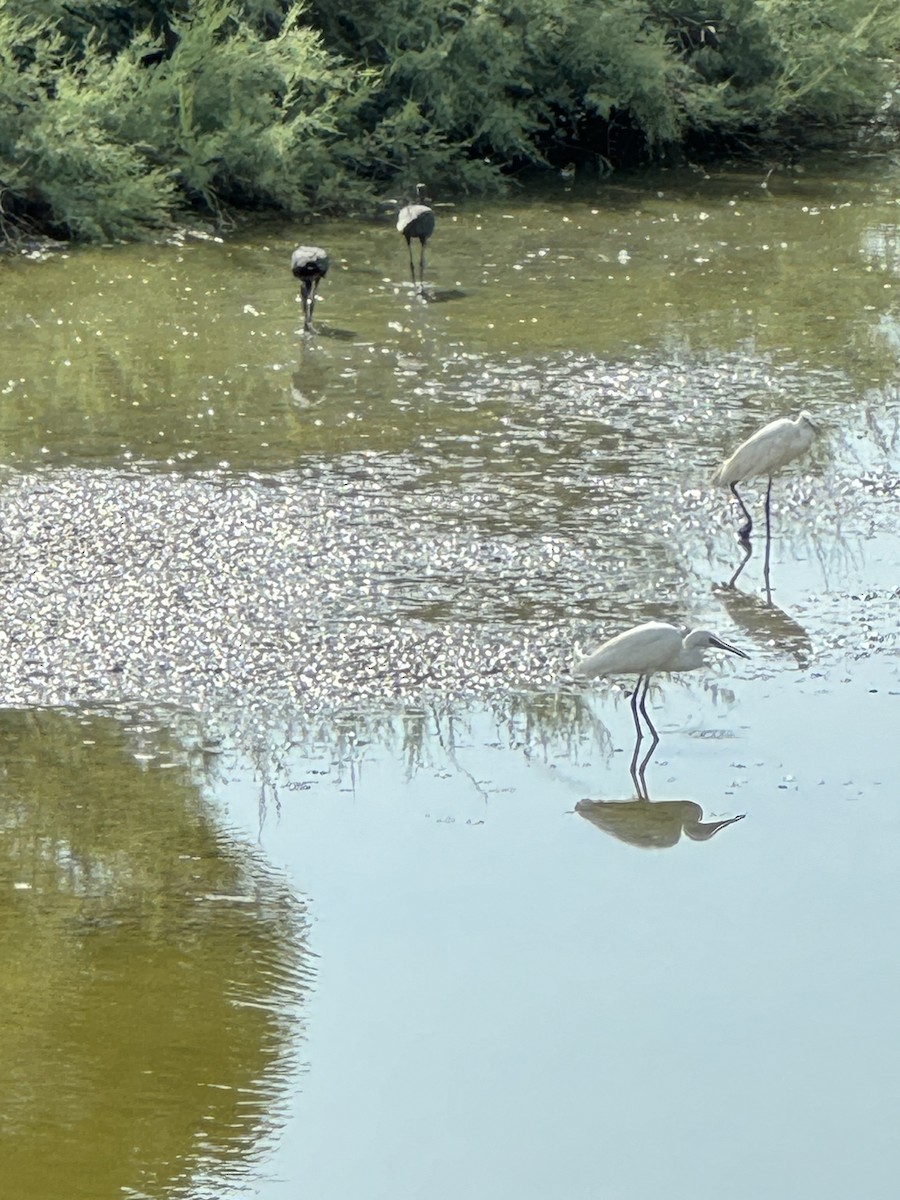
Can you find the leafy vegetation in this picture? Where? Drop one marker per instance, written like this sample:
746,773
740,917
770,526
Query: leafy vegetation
115,118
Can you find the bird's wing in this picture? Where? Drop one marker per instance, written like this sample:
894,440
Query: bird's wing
644,649
758,455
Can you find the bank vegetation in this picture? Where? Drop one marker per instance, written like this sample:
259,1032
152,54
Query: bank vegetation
117,120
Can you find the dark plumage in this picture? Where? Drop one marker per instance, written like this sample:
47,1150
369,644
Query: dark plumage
417,221
309,264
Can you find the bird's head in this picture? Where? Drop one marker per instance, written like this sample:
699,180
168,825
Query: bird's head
703,639
702,831
806,418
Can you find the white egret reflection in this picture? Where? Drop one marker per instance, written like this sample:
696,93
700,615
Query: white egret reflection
651,824
766,624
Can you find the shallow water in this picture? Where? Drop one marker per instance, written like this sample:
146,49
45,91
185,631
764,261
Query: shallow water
319,873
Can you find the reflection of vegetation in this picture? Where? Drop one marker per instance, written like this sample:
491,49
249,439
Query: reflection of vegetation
114,116
422,737
150,969
543,724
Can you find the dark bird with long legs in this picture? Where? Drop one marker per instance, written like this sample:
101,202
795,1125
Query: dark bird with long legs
309,264
416,220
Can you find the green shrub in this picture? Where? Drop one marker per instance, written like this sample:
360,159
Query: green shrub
114,118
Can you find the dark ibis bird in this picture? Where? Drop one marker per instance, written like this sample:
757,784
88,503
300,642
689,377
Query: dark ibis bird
416,220
309,264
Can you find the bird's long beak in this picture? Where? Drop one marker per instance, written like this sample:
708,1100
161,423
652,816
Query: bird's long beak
714,641
704,830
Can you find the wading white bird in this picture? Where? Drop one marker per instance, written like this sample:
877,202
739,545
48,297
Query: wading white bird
416,220
764,453
309,264
644,650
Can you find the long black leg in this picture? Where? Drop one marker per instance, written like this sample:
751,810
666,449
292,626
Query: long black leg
768,539
422,266
745,530
642,767
637,776
748,550
412,268
650,725
637,726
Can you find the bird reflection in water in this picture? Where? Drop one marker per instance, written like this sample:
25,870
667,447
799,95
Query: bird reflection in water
766,624
652,824
311,380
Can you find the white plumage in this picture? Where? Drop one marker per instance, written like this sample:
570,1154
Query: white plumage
654,646
768,450
644,650
764,453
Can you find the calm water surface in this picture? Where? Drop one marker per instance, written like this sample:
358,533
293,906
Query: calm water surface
318,874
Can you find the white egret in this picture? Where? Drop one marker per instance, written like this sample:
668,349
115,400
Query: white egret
416,220
309,264
764,453
645,650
